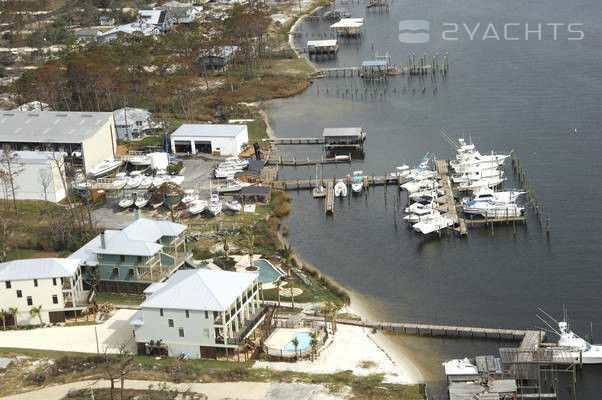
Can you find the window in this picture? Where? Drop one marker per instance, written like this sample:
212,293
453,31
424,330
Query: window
131,273
19,293
215,314
161,312
181,332
206,333
170,323
54,281
35,282
7,283
55,299
139,259
29,301
121,259
187,314
206,314
115,271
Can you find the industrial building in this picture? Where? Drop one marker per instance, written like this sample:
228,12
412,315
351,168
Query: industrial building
215,139
86,138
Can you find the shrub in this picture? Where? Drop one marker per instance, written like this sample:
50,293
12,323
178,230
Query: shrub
107,307
37,377
284,230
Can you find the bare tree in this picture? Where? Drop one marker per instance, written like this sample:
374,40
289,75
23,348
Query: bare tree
45,178
9,160
59,160
4,239
118,367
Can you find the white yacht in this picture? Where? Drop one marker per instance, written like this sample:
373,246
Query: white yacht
579,349
340,189
104,167
469,176
417,207
215,205
235,162
480,184
433,225
422,215
428,194
221,173
231,185
357,182
146,181
415,186
197,206
494,209
189,196
126,202
140,160
486,195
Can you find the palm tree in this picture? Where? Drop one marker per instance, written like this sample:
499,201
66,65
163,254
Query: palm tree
286,253
296,344
36,312
313,343
3,316
13,311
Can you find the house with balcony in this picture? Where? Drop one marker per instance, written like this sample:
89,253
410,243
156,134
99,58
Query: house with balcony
201,313
129,260
55,284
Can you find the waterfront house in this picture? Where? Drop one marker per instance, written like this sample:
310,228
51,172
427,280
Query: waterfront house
201,313
183,13
129,260
55,284
218,58
131,123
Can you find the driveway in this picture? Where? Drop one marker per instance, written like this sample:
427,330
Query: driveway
111,335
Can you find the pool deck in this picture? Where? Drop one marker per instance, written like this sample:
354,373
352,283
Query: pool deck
243,262
281,336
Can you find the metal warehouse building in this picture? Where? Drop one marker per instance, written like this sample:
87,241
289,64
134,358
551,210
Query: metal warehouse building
86,138
215,139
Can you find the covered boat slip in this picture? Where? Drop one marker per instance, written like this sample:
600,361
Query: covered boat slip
348,27
343,137
322,47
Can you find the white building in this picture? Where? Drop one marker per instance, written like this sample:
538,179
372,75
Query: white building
184,13
199,313
216,139
38,172
86,138
138,27
158,18
53,283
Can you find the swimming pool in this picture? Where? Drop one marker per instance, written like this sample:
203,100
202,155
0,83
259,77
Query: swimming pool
267,272
304,339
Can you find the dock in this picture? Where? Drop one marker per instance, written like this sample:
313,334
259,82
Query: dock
329,197
310,183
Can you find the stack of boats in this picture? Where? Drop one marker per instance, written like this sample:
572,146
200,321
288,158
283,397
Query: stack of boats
230,167
423,211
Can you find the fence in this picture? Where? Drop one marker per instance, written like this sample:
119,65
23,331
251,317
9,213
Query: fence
280,354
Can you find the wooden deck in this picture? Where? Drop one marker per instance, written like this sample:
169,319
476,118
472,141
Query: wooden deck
329,197
310,183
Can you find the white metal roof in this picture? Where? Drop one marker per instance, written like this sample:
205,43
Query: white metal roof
132,114
348,23
144,28
355,131
200,289
322,43
87,253
460,367
51,126
208,130
38,268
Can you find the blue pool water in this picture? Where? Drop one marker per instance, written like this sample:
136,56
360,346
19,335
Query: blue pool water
304,342
267,272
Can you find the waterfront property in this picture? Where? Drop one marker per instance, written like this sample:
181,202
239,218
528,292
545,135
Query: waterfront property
127,30
217,59
256,194
215,139
128,260
200,313
348,27
54,284
87,138
183,13
157,18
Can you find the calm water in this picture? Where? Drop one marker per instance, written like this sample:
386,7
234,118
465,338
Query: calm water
523,95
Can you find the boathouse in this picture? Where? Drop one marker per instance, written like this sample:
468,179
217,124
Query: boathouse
322,47
343,137
374,69
348,27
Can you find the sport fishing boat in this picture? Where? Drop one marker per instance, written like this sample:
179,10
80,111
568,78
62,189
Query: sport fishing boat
104,167
215,205
464,177
494,209
357,182
233,205
415,186
486,195
433,225
340,189
221,173
417,207
235,162
197,206
480,184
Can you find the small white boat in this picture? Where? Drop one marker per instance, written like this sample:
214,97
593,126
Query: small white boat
231,185
415,186
494,209
234,205
146,181
177,179
189,196
424,215
157,204
420,207
221,173
141,201
140,160
433,225
235,162
357,182
104,167
120,181
480,184
215,205
158,180
126,202
133,181
340,189
197,206
319,191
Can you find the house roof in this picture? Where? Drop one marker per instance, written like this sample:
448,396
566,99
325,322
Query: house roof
34,106
256,190
137,239
256,165
38,268
322,43
51,126
88,32
348,23
200,289
209,130
139,26
132,114
155,17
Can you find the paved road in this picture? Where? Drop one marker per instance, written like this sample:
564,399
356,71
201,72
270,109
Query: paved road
214,391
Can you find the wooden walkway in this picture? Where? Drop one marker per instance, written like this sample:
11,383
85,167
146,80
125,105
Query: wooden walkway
329,197
310,183
289,141
444,330
278,160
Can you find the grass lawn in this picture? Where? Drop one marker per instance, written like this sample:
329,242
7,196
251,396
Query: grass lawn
29,228
102,298
306,297
257,130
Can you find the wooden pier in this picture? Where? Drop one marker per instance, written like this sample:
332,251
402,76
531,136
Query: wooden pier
310,183
445,330
329,197
291,141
